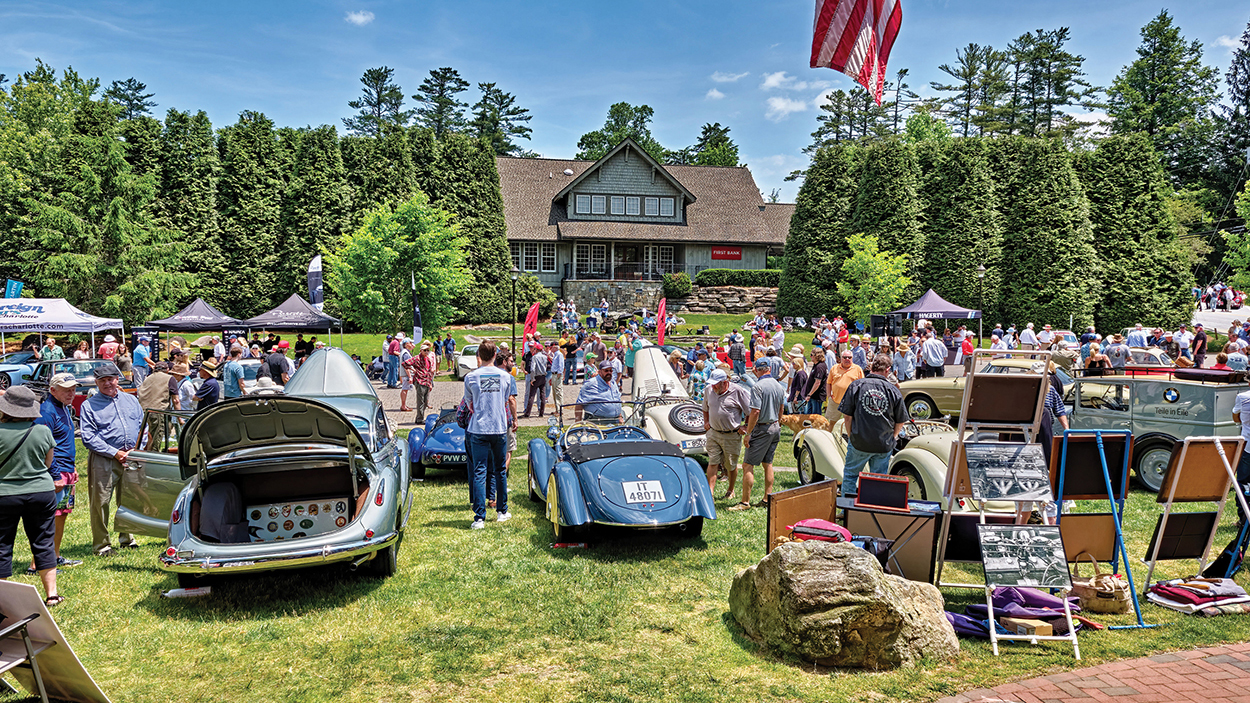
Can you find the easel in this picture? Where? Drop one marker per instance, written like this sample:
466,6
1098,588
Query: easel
1115,499
993,403
1205,486
991,583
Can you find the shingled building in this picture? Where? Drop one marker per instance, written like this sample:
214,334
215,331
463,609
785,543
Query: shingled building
588,228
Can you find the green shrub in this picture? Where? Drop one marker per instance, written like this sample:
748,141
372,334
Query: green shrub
765,278
774,262
677,285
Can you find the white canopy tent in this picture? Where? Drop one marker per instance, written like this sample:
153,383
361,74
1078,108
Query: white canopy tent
50,316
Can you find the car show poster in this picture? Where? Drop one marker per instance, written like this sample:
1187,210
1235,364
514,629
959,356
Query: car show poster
316,292
660,313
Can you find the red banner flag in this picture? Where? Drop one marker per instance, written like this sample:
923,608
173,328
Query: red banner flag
531,320
659,318
855,37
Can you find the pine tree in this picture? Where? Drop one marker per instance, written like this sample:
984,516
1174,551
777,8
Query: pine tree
441,111
187,197
1135,233
315,208
498,119
715,147
1044,79
250,202
142,136
1049,268
887,205
130,96
819,228
967,86
381,104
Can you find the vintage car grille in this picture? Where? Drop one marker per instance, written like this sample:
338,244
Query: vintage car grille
277,521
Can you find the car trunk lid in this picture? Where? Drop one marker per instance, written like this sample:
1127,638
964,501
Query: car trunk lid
641,482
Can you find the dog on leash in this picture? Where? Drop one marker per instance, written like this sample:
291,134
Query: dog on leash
804,420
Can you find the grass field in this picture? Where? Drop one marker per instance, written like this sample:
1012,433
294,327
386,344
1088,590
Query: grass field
499,615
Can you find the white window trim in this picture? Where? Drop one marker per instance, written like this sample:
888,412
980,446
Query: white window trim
547,252
598,205
652,207
530,249
583,204
618,205
633,205
666,204
514,248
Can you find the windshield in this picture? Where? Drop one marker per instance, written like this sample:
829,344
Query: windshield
366,430
469,350
251,367
1145,357
82,370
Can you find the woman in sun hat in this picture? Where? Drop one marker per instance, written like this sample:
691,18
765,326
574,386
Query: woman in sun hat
27,491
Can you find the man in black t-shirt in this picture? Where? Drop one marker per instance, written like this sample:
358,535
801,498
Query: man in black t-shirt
815,391
874,416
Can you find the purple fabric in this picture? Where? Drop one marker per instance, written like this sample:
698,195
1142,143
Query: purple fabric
1031,598
1014,610
969,627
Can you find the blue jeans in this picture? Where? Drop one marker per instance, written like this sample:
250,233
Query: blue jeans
392,370
570,371
814,406
740,366
1243,483
486,455
855,460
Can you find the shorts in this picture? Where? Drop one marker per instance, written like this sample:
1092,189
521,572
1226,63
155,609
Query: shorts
511,441
405,385
65,496
721,445
764,441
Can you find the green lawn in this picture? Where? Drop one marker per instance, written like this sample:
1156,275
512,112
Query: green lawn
499,615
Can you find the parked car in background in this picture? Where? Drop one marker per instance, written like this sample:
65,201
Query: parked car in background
251,369
438,444
14,366
83,370
466,361
661,406
932,398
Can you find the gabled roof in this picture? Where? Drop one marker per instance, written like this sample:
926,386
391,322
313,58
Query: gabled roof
778,217
729,210
627,143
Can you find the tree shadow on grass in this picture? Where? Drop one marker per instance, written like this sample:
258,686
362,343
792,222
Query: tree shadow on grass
284,593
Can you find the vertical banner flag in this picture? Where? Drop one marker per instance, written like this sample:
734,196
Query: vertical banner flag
12,288
855,38
531,319
417,332
316,294
660,314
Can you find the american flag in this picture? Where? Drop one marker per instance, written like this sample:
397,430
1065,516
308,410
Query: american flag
855,37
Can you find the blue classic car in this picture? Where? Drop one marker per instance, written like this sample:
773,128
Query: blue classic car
617,476
15,365
439,444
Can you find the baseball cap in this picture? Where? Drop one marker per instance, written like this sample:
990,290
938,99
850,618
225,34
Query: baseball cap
106,370
145,340
284,344
64,380
605,365
717,376
761,362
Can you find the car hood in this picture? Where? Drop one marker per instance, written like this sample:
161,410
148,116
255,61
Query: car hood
653,376
259,421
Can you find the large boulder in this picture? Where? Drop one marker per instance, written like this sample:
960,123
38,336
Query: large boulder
831,603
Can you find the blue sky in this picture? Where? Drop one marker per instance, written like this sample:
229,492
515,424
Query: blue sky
743,64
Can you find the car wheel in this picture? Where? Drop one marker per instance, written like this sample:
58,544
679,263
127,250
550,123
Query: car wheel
690,528
560,532
915,486
921,407
386,562
5,382
418,470
807,467
529,483
687,418
1151,463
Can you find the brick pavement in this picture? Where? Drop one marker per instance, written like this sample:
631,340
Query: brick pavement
1211,675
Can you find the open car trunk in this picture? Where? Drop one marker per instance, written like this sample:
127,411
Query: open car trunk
279,501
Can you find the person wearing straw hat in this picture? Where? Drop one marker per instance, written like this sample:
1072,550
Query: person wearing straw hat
210,390
1118,352
57,414
187,385
27,489
110,421
159,391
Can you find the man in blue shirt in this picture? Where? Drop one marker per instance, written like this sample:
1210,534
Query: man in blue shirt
490,393
232,375
139,368
111,421
599,398
210,390
57,414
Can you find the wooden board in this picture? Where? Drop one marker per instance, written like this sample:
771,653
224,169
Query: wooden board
1088,532
1203,477
882,492
916,558
815,500
1083,476
1004,398
962,543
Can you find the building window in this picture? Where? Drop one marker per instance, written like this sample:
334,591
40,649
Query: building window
659,259
516,254
653,207
618,205
666,207
631,205
531,256
590,258
598,204
549,257
583,204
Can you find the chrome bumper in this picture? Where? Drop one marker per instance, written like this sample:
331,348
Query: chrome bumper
296,558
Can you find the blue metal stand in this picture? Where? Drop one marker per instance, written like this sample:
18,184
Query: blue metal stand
1117,507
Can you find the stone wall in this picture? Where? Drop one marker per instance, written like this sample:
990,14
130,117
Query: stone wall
621,295
732,300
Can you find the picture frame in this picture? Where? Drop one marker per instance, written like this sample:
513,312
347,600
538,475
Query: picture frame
882,492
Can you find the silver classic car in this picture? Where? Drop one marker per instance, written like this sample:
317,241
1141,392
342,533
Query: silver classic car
309,477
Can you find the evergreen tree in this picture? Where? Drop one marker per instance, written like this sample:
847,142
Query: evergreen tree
130,96
1044,79
962,227
624,120
1135,233
819,228
425,154
498,119
250,201
1049,267
715,147
142,136
966,88
887,205
379,172
441,111
381,104
91,239
187,197
902,95
316,207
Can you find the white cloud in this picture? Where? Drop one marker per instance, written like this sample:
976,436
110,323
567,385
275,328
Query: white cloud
822,99
722,77
780,81
1230,43
714,94
359,19
779,108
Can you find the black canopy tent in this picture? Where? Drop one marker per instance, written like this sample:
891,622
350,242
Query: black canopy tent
294,313
199,316
933,306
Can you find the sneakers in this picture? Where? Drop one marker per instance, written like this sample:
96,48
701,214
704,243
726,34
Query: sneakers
66,563
503,517
478,524
106,552
739,506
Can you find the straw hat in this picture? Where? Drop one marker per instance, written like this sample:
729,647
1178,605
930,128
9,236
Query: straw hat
20,403
1117,338
796,350
180,370
902,346
210,367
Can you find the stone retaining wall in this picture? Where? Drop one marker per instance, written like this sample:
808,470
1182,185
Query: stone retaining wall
731,300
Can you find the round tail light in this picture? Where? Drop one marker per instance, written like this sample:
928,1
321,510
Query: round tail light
368,534
170,552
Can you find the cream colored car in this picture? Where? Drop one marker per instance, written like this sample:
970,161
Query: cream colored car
661,405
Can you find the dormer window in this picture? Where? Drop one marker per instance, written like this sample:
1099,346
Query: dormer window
666,207
618,205
598,204
653,207
632,205
583,204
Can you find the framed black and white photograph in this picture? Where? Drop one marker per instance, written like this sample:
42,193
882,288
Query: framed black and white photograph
1008,472
1024,555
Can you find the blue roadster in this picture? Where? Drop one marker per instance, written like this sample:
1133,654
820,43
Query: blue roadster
440,444
617,476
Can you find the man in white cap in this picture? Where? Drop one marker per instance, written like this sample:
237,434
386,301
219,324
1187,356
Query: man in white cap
1045,337
57,414
725,408
1028,338
219,350
110,422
